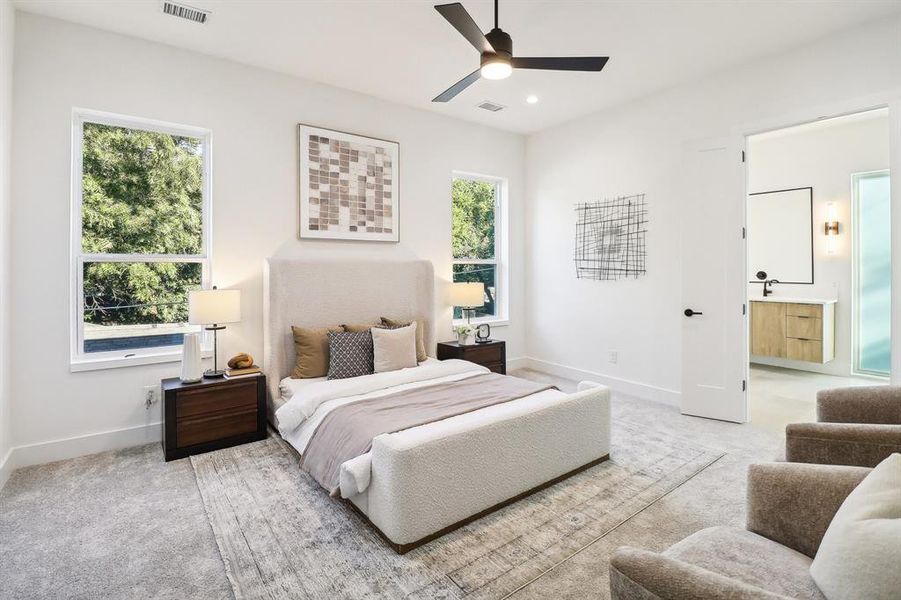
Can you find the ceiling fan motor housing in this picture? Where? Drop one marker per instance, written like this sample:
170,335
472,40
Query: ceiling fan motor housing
502,44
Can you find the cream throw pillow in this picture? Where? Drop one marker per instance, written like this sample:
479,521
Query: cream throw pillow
421,353
394,349
860,555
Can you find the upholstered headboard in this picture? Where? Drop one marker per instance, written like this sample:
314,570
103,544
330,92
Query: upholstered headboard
322,292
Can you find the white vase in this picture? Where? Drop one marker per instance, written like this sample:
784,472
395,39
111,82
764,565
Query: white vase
463,339
191,367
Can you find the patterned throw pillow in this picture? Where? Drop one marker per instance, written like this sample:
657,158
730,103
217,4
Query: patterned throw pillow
350,354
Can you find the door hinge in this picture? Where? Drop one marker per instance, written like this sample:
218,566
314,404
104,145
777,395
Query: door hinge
744,309
742,156
744,233
744,385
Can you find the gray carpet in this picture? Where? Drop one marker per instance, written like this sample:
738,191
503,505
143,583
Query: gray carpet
281,536
125,524
119,524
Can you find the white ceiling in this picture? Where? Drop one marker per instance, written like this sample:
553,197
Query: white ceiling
406,52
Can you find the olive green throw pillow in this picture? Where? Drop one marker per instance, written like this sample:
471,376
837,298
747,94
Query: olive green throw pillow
359,327
421,354
311,351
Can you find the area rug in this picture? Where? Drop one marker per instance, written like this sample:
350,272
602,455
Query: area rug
281,536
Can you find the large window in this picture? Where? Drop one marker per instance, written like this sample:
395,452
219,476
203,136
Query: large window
478,236
140,236
872,273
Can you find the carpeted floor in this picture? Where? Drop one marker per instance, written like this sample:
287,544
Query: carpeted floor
282,537
125,524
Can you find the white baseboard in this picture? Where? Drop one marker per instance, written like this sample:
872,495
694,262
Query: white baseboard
625,386
44,452
521,362
6,468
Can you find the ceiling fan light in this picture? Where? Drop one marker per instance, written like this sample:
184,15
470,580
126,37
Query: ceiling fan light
496,69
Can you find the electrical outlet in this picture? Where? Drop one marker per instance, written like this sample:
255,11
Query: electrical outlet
151,395
614,356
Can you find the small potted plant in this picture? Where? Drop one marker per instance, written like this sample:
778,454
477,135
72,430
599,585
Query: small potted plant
463,334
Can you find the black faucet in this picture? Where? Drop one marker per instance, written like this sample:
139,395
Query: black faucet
762,276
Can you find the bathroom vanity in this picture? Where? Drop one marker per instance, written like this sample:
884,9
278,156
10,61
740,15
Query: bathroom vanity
794,328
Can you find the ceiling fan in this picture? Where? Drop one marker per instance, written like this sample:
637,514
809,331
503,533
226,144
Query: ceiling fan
496,48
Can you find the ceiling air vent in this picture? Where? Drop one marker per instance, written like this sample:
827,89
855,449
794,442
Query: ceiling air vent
184,11
492,106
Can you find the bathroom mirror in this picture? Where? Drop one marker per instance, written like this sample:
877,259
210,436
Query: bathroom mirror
780,235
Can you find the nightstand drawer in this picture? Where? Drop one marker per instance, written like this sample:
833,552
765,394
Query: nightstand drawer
492,355
483,355
189,432
212,400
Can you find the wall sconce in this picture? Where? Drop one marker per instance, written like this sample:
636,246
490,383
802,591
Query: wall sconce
831,228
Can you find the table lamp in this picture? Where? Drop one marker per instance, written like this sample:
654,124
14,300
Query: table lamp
468,295
212,308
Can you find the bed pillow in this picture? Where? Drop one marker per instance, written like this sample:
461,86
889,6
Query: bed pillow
350,354
311,357
359,327
394,348
858,557
421,354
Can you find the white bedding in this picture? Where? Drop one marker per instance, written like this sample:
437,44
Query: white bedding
311,400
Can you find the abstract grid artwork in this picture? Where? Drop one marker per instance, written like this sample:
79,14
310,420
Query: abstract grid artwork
348,186
610,238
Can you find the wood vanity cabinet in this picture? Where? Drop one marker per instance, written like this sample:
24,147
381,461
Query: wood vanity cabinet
793,330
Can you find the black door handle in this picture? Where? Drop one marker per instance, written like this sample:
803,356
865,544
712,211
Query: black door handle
691,313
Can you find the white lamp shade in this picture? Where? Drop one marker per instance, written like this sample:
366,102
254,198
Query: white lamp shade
206,307
468,294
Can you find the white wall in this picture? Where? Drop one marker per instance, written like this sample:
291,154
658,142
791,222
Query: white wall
638,148
7,34
252,114
822,156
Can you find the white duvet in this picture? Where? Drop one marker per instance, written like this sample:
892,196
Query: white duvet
311,401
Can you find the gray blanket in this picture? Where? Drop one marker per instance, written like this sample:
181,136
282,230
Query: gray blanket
348,431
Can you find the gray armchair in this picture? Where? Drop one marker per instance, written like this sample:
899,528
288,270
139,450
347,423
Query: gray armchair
855,426
789,508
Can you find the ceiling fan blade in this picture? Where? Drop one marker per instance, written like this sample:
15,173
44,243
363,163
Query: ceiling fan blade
458,87
457,16
562,63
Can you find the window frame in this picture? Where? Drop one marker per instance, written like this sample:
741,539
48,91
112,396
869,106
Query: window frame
501,249
80,360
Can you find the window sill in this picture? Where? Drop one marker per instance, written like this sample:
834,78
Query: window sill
493,321
117,362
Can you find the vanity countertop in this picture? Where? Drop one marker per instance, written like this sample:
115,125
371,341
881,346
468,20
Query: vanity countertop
775,298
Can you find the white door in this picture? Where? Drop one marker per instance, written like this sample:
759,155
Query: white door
714,335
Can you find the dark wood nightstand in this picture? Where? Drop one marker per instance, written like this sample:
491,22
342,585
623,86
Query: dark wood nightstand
491,354
212,414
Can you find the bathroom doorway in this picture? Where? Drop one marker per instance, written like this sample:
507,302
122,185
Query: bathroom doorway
819,263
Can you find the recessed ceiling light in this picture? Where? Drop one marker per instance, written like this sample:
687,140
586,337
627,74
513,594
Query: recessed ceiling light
532,99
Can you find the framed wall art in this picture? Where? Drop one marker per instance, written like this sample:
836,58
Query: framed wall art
610,238
348,186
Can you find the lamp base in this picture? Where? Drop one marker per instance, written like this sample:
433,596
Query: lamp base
214,373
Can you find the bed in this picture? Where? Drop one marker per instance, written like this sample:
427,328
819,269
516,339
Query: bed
419,483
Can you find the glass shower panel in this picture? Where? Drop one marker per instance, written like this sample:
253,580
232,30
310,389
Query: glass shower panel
873,268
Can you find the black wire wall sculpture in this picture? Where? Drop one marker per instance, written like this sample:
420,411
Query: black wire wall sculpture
610,238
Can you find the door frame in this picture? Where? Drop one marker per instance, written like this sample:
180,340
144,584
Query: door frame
891,100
